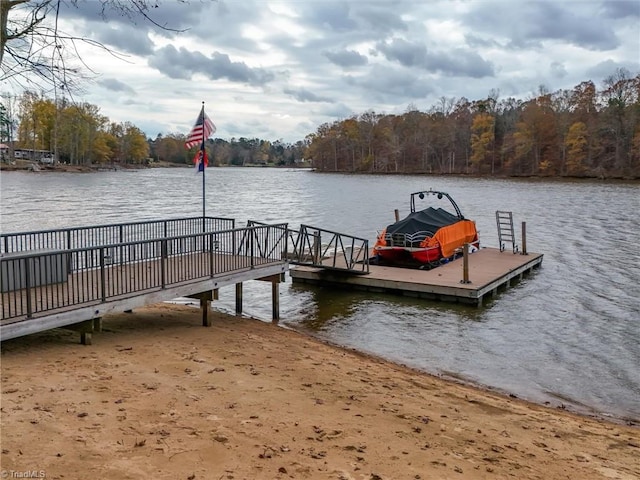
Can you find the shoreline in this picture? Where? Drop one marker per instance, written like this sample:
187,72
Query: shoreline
32,166
27,166
159,395
566,405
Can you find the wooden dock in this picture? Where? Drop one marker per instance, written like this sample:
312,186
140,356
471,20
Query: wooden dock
54,310
72,277
60,284
489,270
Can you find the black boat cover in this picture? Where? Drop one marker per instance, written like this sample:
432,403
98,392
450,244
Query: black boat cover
429,220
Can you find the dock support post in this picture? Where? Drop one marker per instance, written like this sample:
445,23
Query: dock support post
316,247
85,329
205,297
465,264
524,238
204,307
239,298
97,324
396,213
275,301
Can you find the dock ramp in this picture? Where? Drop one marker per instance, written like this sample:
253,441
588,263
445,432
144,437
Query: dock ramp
317,247
326,249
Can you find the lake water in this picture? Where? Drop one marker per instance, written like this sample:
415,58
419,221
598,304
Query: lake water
568,334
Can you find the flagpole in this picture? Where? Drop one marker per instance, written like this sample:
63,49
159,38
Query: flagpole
204,169
202,130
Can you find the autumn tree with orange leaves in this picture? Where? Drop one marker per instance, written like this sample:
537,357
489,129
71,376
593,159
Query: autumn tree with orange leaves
582,132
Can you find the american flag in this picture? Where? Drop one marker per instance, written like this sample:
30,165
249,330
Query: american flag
202,130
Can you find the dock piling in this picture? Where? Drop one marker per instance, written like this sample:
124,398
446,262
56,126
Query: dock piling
316,247
239,298
275,301
465,264
85,329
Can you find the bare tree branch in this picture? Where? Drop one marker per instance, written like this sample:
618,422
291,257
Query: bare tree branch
34,53
141,7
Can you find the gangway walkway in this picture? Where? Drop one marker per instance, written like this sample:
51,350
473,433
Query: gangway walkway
326,249
56,278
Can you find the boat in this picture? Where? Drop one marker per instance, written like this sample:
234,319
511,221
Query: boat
426,238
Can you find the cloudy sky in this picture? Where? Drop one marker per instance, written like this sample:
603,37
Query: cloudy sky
279,69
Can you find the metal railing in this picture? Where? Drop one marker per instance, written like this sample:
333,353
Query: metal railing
408,240
324,248
42,281
270,241
97,235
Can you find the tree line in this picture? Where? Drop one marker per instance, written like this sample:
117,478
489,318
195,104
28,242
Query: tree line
236,152
78,134
582,132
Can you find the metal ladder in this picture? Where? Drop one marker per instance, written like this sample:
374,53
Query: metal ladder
506,234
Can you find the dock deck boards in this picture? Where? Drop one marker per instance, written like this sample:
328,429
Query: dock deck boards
489,269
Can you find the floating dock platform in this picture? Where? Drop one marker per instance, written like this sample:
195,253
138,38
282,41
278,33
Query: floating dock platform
489,270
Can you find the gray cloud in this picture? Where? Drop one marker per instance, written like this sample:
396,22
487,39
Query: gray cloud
304,95
167,15
558,70
381,18
115,85
406,53
391,86
346,58
183,64
133,41
621,9
529,23
608,67
551,21
330,16
476,41
456,62
336,111
461,62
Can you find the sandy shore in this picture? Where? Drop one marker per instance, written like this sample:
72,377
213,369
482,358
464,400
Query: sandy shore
159,396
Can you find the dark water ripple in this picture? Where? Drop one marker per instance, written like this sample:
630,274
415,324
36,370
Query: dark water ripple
568,334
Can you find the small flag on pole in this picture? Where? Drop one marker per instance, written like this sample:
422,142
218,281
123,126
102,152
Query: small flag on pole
202,130
201,160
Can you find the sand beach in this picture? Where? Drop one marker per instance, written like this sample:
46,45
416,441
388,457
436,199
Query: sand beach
158,396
